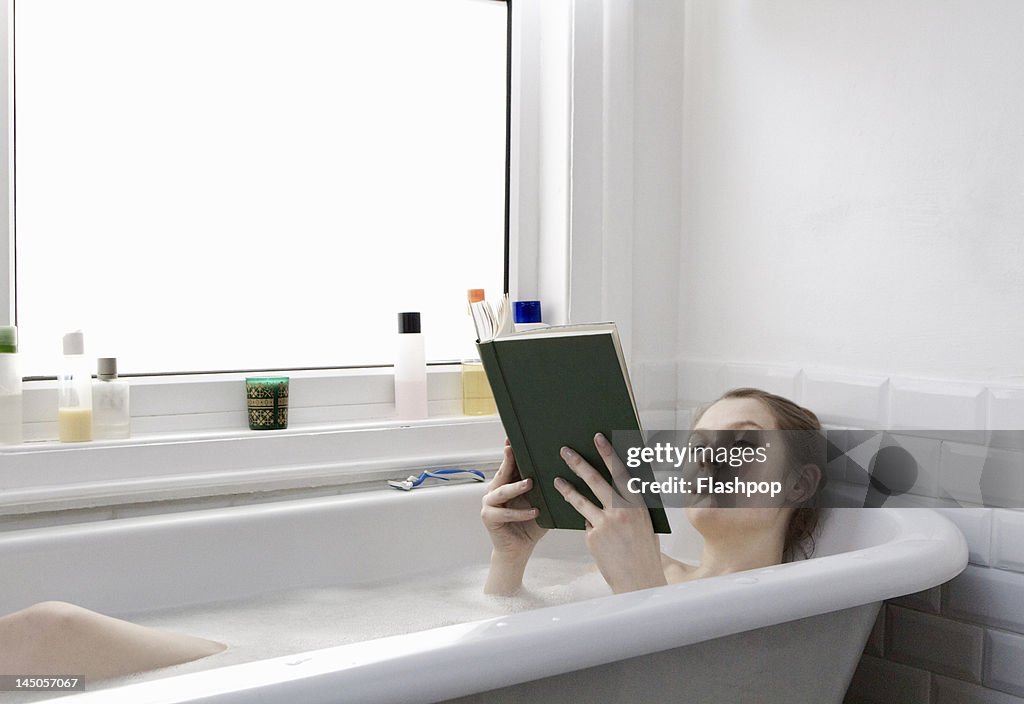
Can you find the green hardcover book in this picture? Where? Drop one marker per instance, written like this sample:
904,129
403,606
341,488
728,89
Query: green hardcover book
556,387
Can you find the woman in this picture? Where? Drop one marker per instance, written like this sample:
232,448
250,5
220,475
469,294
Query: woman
621,537
56,638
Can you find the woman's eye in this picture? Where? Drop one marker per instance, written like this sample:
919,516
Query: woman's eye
701,455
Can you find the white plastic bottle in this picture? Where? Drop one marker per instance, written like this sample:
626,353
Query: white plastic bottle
10,387
111,419
74,394
410,369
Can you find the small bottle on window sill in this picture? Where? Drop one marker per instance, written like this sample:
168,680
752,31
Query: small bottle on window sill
10,387
410,369
74,392
111,417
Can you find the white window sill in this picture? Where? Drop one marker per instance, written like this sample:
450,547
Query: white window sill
196,442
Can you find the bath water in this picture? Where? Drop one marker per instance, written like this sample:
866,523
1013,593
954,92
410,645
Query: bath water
294,621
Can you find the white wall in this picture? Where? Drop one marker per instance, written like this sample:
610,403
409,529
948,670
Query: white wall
852,236
657,211
853,186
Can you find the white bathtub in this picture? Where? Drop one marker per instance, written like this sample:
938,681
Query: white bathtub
791,633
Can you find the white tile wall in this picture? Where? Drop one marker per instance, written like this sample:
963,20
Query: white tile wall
1005,667
876,639
929,600
960,473
926,451
658,420
950,691
929,407
976,525
836,469
879,681
684,419
980,474
987,596
699,382
1008,540
783,381
847,399
934,643
659,385
1006,409
861,445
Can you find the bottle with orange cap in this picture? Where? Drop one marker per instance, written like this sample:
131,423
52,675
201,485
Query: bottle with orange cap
477,398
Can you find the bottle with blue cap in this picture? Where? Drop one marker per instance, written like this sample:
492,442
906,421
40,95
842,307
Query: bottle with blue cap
526,316
10,387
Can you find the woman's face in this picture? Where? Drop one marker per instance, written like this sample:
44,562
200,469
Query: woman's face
733,423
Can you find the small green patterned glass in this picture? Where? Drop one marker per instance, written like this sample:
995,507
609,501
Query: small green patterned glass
267,400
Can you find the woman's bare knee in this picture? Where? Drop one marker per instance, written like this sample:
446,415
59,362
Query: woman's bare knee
51,615
28,634
56,637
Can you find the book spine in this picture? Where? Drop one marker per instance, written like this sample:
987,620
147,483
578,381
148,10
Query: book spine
510,421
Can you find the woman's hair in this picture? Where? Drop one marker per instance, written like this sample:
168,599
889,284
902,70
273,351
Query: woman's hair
805,444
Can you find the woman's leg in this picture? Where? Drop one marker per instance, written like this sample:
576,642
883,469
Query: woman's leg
55,638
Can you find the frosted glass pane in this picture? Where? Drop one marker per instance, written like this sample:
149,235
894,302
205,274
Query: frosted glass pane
235,184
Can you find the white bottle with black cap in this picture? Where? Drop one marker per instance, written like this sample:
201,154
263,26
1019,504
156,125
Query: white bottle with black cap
410,369
111,419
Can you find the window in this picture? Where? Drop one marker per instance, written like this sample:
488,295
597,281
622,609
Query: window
556,154
246,184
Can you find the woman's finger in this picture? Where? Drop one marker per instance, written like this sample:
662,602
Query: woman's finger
578,501
506,492
496,515
508,472
620,476
601,488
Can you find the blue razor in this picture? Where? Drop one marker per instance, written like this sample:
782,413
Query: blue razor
444,474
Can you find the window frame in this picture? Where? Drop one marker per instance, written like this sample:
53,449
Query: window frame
569,240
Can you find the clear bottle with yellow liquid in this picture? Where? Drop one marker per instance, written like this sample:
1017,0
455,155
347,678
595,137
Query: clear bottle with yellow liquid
477,399
74,393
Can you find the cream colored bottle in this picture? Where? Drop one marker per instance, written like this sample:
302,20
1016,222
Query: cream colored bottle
74,393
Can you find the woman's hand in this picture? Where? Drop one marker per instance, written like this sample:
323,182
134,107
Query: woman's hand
620,535
512,524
